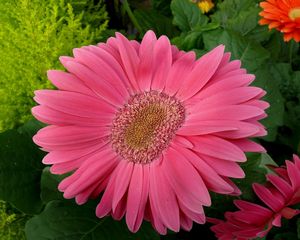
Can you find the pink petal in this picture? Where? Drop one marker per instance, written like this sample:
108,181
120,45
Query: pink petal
282,186
155,218
113,60
229,112
224,167
178,71
102,69
68,82
145,68
225,84
130,59
125,169
66,156
198,216
217,147
144,197
227,69
135,44
162,61
202,73
294,174
267,197
102,88
248,146
182,141
51,116
163,198
185,222
65,167
134,198
190,128
212,180
60,138
184,179
231,97
277,220
258,103
120,210
244,130
74,103
105,205
94,173
248,206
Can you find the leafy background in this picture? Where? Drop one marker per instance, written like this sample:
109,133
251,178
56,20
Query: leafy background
33,34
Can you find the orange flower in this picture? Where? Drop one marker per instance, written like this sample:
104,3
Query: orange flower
284,15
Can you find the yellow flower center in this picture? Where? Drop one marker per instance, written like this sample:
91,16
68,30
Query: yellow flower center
145,125
294,13
141,129
205,5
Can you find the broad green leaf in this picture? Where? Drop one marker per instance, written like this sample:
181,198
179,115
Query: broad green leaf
153,20
290,88
193,40
162,6
271,83
266,160
188,41
252,54
31,127
67,221
20,170
229,9
187,15
282,51
49,183
254,174
246,23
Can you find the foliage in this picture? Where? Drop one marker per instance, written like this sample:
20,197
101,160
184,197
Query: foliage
33,34
11,223
20,170
68,221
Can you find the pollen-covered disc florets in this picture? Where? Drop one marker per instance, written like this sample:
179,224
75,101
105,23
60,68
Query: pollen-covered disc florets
145,126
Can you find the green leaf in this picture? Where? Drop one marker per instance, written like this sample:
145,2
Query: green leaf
67,221
251,53
282,51
188,41
229,9
246,23
271,84
20,170
187,15
161,24
49,183
193,40
255,173
266,160
162,6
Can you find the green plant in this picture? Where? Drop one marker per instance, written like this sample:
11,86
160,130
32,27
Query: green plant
11,224
33,34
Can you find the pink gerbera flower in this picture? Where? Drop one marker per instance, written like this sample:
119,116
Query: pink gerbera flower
151,126
253,220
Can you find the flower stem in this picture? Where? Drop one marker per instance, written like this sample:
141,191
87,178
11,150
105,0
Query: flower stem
131,16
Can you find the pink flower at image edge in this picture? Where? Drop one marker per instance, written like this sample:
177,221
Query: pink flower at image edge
253,220
149,126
